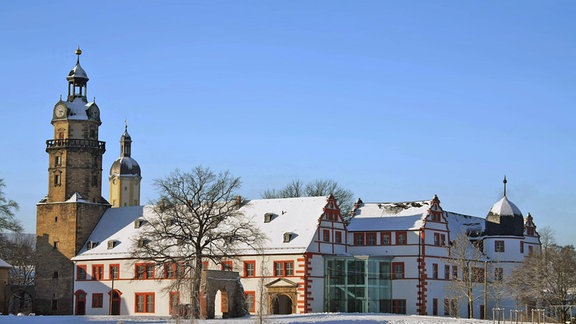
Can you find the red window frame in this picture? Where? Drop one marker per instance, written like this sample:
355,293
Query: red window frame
249,268
174,300
144,271
146,297
338,237
401,238
454,272
81,272
97,271
371,238
398,270
437,239
250,295
97,300
359,239
227,265
386,238
326,235
399,306
283,268
170,270
446,272
111,271
499,246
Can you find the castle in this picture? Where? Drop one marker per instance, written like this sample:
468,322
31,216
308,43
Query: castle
387,257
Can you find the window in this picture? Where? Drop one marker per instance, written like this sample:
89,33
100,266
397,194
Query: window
435,217
338,237
97,300
401,238
57,179
55,245
522,247
204,265
477,274
442,239
358,238
226,266
249,268
435,306
455,272
498,246
370,238
144,270
326,235
81,272
498,274
170,270
174,302
385,238
55,275
399,306
446,306
58,160
144,302
439,239
446,272
530,249
97,271
530,231
435,270
250,301
397,270
114,271
283,268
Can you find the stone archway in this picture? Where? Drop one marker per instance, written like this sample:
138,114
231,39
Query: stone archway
227,282
282,296
282,304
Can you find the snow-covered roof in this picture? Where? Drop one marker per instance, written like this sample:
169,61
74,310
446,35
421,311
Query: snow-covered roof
505,207
4,264
298,216
78,109
389,209
76,197
393,216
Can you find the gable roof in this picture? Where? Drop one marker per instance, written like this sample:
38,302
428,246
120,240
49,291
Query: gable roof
298,216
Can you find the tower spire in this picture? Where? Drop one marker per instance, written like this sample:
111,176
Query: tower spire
505,182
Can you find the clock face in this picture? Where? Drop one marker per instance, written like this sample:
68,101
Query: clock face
60,111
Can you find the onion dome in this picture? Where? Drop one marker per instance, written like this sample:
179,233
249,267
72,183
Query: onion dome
125,165
505,218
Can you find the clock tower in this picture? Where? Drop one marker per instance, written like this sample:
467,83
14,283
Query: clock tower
74,204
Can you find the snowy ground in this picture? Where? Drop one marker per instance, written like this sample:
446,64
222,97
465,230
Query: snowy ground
324,318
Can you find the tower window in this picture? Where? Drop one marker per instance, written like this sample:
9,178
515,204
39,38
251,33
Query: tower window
56,219
57,179
57,160
92,133
55,275
94,180
54,304
56,244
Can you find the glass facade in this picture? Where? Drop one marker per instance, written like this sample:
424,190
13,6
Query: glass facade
357,285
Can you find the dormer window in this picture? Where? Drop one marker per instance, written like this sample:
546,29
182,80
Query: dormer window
112,244
288,237
138,223
91,245
142,242
268,217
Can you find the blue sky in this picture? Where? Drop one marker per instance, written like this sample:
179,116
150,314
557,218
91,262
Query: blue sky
395,100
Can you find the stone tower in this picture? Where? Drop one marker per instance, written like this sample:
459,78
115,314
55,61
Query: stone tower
125,176
74,204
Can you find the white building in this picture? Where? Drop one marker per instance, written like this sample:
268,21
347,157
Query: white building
391,257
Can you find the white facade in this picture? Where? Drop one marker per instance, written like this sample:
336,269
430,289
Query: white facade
391,257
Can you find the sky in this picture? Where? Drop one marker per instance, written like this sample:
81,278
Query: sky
394,100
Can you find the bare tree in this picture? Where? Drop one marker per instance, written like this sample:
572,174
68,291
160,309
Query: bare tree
7,209
197,218
18,250
547,278
467,257
296,188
